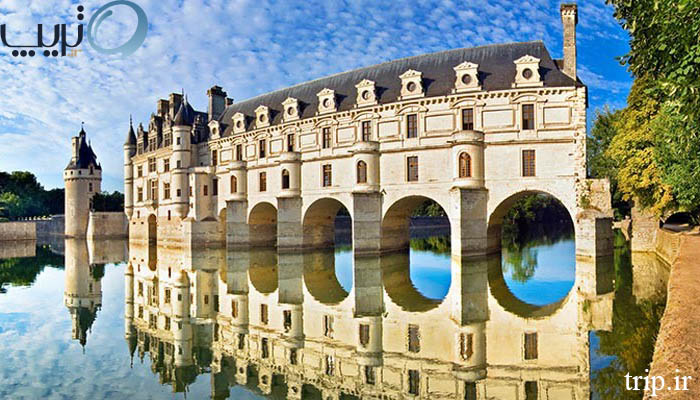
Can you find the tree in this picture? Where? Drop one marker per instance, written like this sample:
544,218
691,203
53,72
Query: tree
107,202
665,51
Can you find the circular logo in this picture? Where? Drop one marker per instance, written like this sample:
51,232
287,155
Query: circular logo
136,39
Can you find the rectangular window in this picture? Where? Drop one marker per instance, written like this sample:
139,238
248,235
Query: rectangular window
370,376
466,345
366,131
206,299
326,138
167,323
468,119
179,193
528,116
166,165
214,157
215,187
290,142
168,139
241,341
216,303
263,314
166,191
364,335
293,356
206,190
140,288
330,365
327,175
328,326
234,309
263,181
264,348
531,346
139,171
239,152
177,140
413,339
152,164
531,390
470,391
152,144
287,317
90,187
528,162
178,164
412,125
262,148
154,189
412,169
413,382
139,194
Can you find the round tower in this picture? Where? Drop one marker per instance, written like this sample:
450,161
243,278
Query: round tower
82,177
181,128
83,289
129,151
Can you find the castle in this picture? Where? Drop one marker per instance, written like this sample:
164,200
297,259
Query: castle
472,129
82,177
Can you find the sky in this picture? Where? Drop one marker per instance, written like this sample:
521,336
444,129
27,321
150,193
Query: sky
249,47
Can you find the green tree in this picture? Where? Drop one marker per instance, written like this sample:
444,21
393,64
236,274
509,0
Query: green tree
107,202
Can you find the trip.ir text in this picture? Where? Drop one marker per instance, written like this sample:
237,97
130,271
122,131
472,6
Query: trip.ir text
656,383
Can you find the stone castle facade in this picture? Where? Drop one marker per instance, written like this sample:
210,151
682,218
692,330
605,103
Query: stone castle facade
471,129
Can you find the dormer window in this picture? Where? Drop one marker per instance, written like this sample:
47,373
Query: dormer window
527,72
411,84
366,93
262,117
238,122
467,77
326,101
291,109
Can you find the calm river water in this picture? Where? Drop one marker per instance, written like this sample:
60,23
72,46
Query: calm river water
262,325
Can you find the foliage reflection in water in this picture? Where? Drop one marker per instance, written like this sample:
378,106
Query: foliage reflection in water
234,341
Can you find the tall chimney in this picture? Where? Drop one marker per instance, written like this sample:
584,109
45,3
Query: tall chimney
569,19
75,144
217,102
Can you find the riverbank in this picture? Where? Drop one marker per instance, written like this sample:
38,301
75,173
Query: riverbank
678,343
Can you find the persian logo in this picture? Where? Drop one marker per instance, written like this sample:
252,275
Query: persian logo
60,42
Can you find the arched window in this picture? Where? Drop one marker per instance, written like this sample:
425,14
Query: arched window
234,184
361,172
465,166
285,179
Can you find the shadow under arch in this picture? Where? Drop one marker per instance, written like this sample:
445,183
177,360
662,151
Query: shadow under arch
396,279
222,225
506,299
320,277
263,270
495,222
319,223
262,225
396,222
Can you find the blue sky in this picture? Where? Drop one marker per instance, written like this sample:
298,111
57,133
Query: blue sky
251,47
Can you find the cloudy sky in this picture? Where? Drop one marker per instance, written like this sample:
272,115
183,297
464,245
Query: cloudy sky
249,47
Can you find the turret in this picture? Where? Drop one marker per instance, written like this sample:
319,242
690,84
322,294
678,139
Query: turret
182,334
129,328
181,131
82,178
129,151
83,289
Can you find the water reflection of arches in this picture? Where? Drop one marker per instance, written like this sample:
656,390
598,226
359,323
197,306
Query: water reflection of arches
396,279
222,224
152,241
320,277
263,270
495,220
506,299
319,223
396,222
262,223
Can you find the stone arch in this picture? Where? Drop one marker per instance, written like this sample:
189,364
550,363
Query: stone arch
262,224
495,218
396,221
319,222
320,277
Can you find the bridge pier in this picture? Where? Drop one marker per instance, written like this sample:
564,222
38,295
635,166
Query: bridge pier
366,222
369,292
468,221
290,234
237,230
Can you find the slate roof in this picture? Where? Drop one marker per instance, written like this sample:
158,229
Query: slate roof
86,156
496,72
185,115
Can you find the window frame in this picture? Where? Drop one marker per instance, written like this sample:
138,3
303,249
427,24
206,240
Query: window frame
326,175
409,169
366,131
326,138
528,165
528,116
262,181
468,119
465,165
411,126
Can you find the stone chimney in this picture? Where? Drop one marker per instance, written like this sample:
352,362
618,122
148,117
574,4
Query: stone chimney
174,102
217,102
163,107
229,101
569,19
75,142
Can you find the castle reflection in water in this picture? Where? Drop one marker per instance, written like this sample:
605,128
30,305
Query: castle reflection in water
283,326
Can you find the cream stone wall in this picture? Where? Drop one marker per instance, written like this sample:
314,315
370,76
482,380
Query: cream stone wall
12,231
